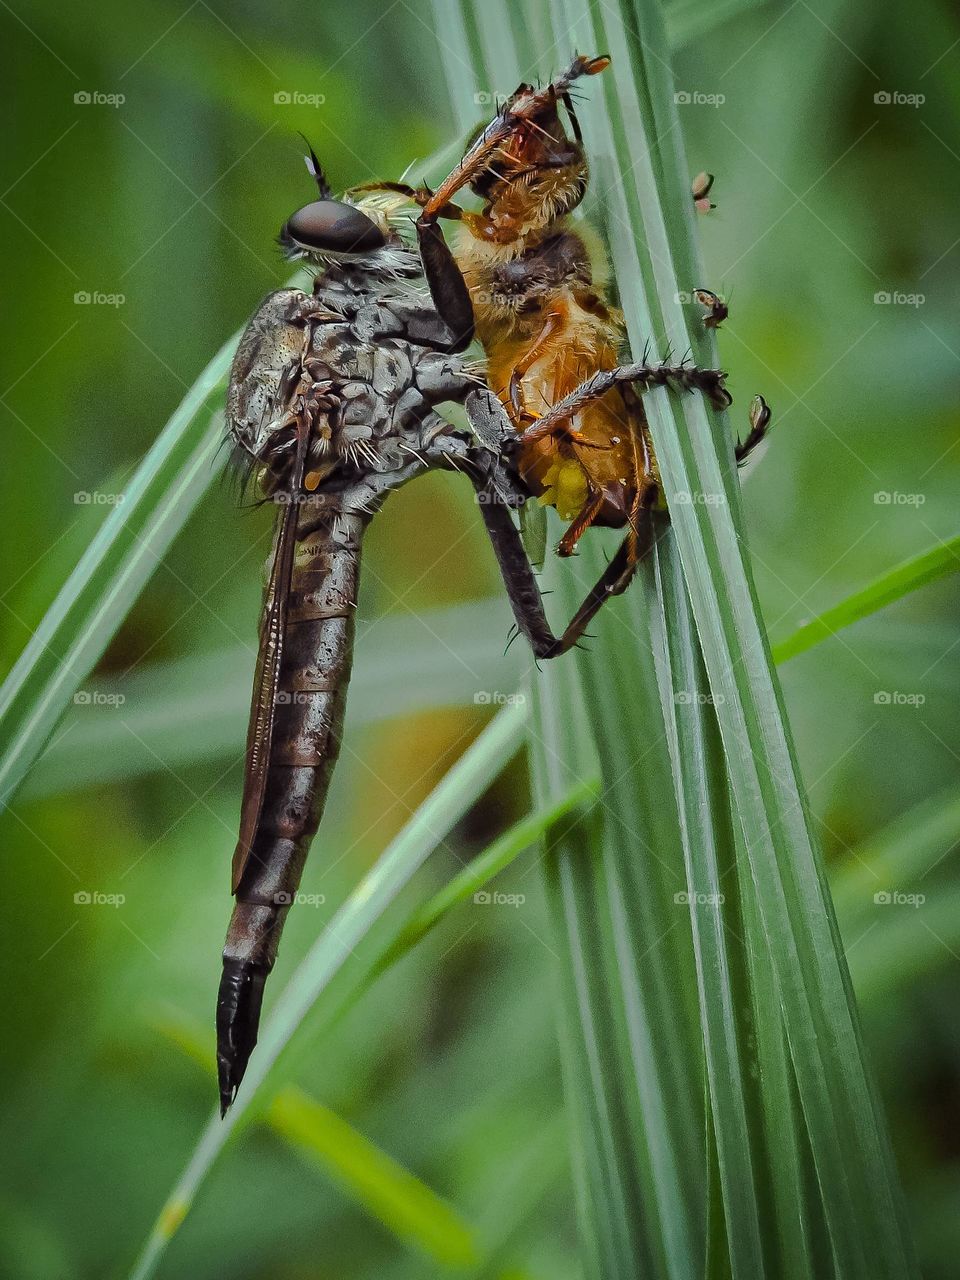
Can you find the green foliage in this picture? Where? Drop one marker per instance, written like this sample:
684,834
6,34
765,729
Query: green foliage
436,1038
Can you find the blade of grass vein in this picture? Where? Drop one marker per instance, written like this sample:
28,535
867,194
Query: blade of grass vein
938,562
633,1065
457,61
93,601
405,1205
709,850
605,1199
499,52
802,1246
449,800
860,1191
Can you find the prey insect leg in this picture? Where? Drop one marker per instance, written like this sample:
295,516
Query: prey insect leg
552,321
644,376
759,424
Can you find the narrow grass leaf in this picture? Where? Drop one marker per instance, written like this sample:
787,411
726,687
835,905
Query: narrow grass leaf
449,800
406,1206
410,1209
861,1193
484,867
126,550
938,562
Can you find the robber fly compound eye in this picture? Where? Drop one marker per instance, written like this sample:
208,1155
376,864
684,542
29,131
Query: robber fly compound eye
330,226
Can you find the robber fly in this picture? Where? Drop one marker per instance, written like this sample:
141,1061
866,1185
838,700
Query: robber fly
551,335
332,401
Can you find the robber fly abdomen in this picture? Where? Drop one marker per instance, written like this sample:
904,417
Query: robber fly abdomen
308,723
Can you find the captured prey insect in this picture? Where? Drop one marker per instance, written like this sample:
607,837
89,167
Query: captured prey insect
551,335
332,399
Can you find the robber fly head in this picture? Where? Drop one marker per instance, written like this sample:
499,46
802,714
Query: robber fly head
330,229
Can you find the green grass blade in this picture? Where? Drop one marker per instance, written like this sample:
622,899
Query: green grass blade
408,1207
405,1205
710,857
126,550
631,1159
848,1134
938,562
897,858
481,870
632,1061
463,784
689,20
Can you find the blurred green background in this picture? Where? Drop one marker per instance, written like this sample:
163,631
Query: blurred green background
834,136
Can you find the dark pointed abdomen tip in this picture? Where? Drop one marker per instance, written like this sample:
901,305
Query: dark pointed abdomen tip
238,1019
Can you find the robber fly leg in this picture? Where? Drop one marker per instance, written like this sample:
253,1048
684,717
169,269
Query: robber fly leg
419,195
521,583
448,289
